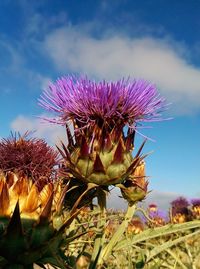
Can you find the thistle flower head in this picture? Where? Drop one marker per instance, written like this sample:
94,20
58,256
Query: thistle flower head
180,205
195,202
160,217
98,151
29,156
136,226
86,102
153,208
195,208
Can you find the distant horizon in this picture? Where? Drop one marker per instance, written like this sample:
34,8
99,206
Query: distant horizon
160,198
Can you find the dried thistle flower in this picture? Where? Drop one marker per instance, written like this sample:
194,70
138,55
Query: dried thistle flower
159,217
195,202
153,208
29,156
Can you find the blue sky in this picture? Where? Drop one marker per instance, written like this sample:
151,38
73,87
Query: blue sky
155,40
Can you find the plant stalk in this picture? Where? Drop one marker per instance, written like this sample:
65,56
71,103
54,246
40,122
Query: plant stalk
117,235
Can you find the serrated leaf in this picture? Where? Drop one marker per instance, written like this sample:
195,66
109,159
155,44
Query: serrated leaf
169,244
156,232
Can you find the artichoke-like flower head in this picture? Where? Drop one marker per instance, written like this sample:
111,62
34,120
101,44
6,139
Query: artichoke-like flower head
99,151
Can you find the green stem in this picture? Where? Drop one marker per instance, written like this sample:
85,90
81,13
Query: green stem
101,199
117,235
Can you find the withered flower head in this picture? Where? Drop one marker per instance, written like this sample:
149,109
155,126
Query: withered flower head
29,156
32,201
195,202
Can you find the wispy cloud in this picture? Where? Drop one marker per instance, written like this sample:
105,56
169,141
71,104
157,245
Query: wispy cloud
13,65
53,134
161,61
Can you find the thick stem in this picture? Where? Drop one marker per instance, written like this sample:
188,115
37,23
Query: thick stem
101,199
117,235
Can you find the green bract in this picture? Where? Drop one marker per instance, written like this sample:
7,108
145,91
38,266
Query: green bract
100,158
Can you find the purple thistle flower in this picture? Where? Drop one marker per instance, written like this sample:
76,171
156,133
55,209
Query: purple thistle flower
195,202
180,205
159,214
86,102
180,202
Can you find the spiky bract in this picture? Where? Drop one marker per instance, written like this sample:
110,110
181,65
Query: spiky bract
29,230
103,159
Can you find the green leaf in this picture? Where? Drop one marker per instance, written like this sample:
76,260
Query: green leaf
177,259
157,250
117,235
93,264
157,232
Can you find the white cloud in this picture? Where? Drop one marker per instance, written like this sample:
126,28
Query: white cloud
53,134
160,61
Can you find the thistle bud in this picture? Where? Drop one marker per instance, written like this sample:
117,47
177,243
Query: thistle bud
134,189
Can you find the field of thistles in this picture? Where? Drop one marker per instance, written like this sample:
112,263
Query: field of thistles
53,201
